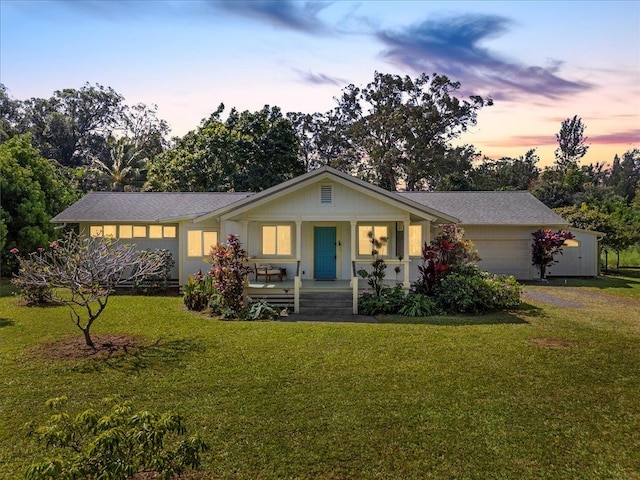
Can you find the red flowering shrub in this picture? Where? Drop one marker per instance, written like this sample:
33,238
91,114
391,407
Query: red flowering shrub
446,252
228,273
546,245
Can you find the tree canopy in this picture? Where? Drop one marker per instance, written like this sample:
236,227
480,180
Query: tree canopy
394,131
247,152
32,191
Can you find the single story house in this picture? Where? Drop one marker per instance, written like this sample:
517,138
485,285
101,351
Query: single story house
313,229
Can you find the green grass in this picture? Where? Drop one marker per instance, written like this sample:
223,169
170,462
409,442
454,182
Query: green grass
447,397
629,257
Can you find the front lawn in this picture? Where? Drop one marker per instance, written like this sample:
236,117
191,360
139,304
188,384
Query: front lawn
546,392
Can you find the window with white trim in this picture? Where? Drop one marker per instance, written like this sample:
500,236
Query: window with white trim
276,240
103,231
139,231
199,242
415,240
128,231
155,231
365,245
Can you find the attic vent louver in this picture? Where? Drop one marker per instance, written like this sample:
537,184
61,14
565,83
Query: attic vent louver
326,194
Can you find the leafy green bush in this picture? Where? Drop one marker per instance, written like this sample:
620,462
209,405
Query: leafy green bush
32,293
419,305
261,310
470,290
390,300
198,292
114,445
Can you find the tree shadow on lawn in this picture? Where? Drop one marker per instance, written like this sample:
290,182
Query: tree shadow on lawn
126,353
5,322
496,318
159,354
610,280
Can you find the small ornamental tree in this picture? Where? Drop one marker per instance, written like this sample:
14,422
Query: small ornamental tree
82,272
546,245
228,274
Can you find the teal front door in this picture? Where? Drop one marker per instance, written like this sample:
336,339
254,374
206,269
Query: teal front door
324,253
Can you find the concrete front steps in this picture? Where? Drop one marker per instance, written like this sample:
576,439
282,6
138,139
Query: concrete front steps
326,303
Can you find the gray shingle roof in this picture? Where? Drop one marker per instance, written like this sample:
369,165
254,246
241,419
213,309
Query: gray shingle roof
489,208
145,206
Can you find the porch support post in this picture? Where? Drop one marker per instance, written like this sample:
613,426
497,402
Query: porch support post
354,240
297,282
354,279
298,239
245,234
407,258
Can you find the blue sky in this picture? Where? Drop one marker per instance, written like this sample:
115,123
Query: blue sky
541,62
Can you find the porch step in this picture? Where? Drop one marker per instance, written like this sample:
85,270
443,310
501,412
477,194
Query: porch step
326,303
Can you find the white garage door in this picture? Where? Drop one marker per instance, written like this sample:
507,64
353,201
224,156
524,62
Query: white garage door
506,257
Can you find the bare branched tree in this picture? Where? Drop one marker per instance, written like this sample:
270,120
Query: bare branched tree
82,272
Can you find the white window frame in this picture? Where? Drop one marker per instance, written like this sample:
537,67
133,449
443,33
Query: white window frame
384,251
282,246
202,249
416,229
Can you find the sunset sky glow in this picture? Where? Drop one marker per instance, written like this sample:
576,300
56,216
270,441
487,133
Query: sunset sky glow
541,62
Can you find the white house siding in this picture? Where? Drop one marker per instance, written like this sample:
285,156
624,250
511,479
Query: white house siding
580,261
190,265
347,203
170,244
304,206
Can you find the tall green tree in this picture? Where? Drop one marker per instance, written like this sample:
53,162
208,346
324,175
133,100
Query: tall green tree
624,175
401,128
247,152
73,125
32,192
571,143
324,140
618,233
9,114
506,173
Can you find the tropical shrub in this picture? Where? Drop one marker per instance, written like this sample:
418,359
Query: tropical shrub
447,251
470,290
546,245
228,274
32,293
419,305
198,292
116,444
261,310
390,300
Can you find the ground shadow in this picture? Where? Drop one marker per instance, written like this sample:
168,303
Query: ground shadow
515,317
159,354
622,279
5,322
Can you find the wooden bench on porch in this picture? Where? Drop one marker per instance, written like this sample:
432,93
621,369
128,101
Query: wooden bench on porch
268,271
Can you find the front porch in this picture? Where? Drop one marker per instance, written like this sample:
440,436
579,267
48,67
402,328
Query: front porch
293,293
